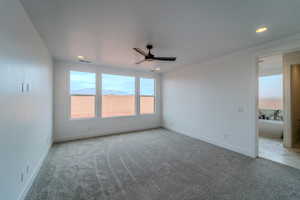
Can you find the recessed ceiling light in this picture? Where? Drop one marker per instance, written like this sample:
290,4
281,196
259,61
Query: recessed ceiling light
155,69
262,29
81,57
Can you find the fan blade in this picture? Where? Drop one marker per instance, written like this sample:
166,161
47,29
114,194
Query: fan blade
140,62
140,51
165,58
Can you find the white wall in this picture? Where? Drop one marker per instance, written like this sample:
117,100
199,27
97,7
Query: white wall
25,118
66,129
212,102
216,101
271,65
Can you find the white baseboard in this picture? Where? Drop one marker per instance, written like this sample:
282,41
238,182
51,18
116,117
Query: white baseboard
99,134
33,175
218,143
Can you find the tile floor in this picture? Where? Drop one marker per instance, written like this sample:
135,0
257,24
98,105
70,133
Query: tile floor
272,149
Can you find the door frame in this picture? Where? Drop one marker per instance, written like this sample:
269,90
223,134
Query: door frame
295,139
286,76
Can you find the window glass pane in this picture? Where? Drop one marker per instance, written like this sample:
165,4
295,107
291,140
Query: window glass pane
147,95
270,92
147,86
83,91
83,83
118,95
82,107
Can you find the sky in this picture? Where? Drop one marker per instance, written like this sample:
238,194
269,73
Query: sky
124,84
85,82
81,81
147,86
270,87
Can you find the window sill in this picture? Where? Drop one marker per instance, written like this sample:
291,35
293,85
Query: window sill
79,119
116,117
146,114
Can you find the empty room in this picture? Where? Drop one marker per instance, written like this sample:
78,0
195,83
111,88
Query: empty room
149,100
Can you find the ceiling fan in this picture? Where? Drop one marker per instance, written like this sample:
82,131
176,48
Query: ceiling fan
150,57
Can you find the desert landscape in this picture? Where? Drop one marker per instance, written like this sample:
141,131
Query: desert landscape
271,104
112,105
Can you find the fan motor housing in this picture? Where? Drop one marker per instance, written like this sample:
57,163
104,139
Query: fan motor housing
149,46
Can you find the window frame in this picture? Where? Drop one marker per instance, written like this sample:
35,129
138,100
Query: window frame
70,96
98,95
136,112
139,95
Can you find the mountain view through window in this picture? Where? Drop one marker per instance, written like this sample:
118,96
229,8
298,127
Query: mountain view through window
83,94
118,95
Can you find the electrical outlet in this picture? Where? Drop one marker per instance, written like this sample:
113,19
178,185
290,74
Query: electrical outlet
49,140
27,169
22,177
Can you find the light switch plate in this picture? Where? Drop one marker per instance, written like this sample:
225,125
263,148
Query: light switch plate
21,87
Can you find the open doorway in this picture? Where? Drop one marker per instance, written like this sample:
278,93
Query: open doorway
278,87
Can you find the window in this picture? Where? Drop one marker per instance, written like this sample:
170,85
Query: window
118,95
147,95
82,94
270,92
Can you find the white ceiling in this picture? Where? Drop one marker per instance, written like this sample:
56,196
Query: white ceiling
105,31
